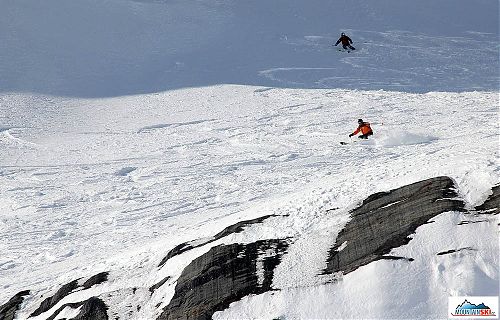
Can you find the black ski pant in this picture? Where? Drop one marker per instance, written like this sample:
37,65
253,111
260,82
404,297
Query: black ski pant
365,136
348,46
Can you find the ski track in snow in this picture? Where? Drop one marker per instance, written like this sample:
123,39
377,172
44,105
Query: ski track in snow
395,60
99,185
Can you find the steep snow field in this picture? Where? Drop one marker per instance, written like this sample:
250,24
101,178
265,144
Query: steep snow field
128,127
87,188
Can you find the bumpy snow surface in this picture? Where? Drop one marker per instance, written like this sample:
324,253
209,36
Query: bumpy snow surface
129,127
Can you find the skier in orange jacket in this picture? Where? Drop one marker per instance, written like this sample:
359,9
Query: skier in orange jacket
364,128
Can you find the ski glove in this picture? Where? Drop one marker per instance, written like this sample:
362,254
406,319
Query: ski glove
350,135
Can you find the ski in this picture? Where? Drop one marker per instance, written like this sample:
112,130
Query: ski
344,143
342,50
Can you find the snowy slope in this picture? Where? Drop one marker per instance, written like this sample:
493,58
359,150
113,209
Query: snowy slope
96,48
129,127
68,197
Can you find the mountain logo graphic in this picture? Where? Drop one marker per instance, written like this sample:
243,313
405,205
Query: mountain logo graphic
467,308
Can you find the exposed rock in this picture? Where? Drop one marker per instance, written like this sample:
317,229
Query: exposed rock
235,228
386,219
73,305
455,250
52,301
8,310
157,285
239,227
93,308
492,204
470,221
96,279
223,275
181,248
68,288
395,258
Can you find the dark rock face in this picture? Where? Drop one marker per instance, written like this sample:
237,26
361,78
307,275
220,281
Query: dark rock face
223,275
235,228
93,308
66,289
395,258
153,288
179,249
455,250
385,220
492,204
8,310
52,301
96,279
227,273
461,223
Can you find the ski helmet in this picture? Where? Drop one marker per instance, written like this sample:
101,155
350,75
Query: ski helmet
342,34
360,120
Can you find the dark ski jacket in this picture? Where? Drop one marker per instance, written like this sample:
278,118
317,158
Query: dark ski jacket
344,39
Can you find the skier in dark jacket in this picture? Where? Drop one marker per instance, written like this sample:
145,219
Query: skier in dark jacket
364,128
346,42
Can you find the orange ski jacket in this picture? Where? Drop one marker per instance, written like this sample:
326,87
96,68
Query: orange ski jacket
364,128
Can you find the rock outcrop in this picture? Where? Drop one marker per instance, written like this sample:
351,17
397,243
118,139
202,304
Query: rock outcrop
235,228
492,204
8,310
227,273
67,289
95,280
92,308
223,275
153,288
455,250
385,220
49,302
